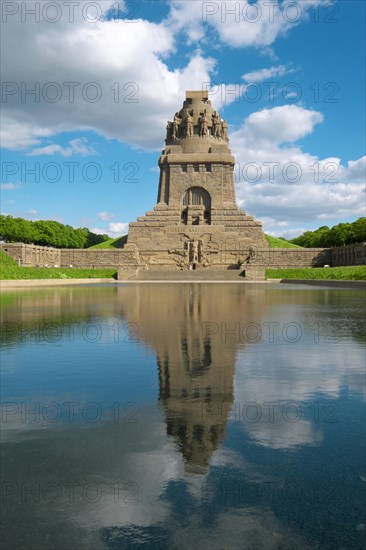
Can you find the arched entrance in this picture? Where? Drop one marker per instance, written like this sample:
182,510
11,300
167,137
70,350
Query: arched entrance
196,207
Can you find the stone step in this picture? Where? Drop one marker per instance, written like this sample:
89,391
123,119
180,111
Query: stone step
191,275
239,225
231,218
227,212
153,223
163,213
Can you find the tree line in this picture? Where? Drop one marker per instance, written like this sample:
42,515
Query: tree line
51,233
47,233
338,235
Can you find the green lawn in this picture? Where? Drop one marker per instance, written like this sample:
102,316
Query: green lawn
9,269
353,273
119,242
279,243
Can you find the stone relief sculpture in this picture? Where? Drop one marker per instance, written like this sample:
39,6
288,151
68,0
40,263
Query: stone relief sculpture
208,253
250,255
179,256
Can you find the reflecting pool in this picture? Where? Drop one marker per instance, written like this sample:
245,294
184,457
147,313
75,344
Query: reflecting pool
183,416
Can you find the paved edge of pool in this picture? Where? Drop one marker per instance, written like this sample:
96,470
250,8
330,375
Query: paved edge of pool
27,283
325,282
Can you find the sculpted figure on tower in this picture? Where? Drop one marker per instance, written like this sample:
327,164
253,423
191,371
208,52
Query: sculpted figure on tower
189,125
224,130
176,126
216,129
204,124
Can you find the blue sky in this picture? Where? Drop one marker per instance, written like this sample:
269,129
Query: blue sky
288,76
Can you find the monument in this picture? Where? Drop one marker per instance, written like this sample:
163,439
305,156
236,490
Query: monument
196,223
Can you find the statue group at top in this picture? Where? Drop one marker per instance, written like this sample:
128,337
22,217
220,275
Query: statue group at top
207,125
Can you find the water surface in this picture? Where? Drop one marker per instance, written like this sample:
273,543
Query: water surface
183,416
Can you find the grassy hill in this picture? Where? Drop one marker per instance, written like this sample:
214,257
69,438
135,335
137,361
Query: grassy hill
9,269
274,242
119,242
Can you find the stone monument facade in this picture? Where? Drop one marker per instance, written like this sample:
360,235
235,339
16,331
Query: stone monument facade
196,223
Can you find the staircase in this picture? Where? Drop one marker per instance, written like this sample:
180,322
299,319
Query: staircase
229,275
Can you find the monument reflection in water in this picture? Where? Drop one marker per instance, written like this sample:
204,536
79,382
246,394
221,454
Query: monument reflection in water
196,366
231,417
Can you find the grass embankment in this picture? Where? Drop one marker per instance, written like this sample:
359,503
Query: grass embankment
9,269
119,242
274,242
353,273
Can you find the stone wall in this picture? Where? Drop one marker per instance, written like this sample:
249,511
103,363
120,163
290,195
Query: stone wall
44,256
218,181
352,254
290,257
128,257
95,258
32,255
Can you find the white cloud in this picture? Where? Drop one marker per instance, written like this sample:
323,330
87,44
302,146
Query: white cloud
49,150
99,230
282,182
281,124
134,89
328,371
114,229
77,146
8,186
118,228
288,233
291,95
239,23
135,92
269,52
106,216
263,74
127,62
17,133
32,212
357,170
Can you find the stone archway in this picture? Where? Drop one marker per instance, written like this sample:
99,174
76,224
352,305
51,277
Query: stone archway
196,207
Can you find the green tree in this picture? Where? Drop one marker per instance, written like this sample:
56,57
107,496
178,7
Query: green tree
338,235
47,233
